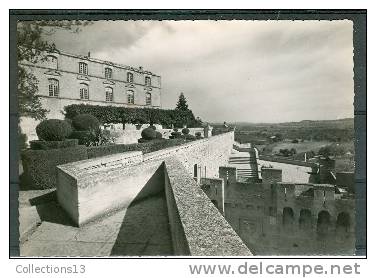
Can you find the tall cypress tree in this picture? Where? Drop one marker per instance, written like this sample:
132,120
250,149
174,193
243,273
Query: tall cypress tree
182,103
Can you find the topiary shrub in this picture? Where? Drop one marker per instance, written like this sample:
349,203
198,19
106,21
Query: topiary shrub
53,130
185,131
148,134
198,135
85,122
153,127
158,135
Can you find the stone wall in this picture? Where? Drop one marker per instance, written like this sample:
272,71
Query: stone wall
92,188
291,172
283,218
102,179
201,158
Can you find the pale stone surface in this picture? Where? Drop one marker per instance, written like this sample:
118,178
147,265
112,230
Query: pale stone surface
140,230
86,188
205,230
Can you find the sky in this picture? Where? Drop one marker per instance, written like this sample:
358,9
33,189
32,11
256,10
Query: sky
234,71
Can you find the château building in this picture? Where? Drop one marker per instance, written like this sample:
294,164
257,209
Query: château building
65,79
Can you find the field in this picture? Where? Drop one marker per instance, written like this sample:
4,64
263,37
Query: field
301,147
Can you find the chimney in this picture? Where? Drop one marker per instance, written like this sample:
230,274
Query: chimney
88,54
141,68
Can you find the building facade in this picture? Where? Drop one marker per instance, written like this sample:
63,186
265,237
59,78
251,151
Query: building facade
65,79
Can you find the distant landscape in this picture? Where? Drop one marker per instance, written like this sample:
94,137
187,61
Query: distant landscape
301,140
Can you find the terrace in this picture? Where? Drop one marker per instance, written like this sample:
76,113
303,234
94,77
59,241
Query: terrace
132,205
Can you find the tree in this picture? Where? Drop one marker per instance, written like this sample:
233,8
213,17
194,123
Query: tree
30,48
182,103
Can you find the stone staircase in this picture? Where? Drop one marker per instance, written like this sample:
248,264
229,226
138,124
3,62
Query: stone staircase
245,163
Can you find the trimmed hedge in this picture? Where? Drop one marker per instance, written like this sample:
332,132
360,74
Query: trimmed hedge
147,147
113,114
83,137
40,165
48,145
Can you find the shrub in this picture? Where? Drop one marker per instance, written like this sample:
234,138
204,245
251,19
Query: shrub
198,135
84,137
112,114
185,131
189,137
148,134
85,122
153,127
53,130
146,147
48,145
158,135
40,165
175,134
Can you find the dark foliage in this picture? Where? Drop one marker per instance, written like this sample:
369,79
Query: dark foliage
182,103
185,131
53,130
189,137
198,135
175,134
146,147
85,122
148,134
112,114
48,145
40,165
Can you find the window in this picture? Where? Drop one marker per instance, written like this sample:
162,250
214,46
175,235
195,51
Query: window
130,77
147,81
84,91
51,62
109,94
82,68
130,97
53,87
108,73
148,98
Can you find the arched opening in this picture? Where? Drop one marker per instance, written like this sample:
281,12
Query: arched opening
305,219
343,223
288,217
323,222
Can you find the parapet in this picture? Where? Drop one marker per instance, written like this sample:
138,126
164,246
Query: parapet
197,227
271,175
324,192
